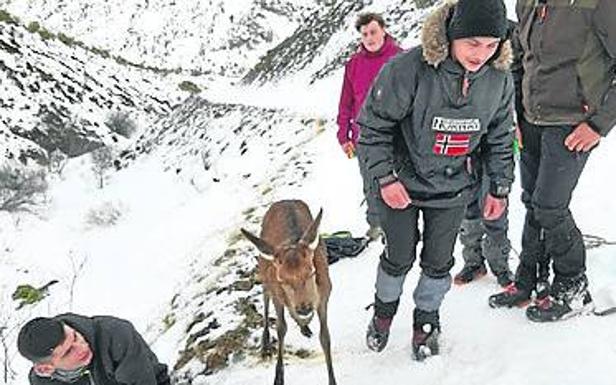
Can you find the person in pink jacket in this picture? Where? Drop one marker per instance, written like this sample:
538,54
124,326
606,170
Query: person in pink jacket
376,48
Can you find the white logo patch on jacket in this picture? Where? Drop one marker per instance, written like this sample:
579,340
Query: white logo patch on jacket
455,125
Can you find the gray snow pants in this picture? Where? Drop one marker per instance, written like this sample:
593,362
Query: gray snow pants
482,239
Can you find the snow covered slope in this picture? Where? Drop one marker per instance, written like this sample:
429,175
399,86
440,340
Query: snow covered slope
172,261
57,95
206,36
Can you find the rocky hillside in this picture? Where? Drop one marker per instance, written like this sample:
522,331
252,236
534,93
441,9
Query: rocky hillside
204,36
55,95
257,40
219,141
327,38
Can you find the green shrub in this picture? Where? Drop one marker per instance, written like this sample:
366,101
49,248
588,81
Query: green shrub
424,3
67,40
7,18
120,60
189,86
101,52
45,34
33,27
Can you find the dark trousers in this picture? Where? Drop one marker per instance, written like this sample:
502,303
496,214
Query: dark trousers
401,229
402,234
162,375
549,173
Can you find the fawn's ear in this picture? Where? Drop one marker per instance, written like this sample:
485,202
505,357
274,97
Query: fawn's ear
311,235
267,251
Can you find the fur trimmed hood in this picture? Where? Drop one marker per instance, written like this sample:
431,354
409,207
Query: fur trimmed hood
436,45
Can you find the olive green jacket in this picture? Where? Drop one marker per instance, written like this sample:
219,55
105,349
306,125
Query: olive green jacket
568,60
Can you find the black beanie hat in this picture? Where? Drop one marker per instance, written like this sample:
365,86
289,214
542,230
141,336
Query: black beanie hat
39,337
472,18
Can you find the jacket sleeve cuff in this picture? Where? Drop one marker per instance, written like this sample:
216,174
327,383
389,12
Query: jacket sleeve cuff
342,135
386,180
595,127
498,190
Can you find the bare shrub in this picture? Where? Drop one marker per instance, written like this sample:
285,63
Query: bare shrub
102,162
21,189
105,215
57,162
121,123
78,263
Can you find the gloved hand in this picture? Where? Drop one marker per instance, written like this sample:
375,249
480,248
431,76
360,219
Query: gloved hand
493,208
395,195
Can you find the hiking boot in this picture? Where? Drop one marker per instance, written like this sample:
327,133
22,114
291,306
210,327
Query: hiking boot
378,333
470,273
551,309
426,329
425,342
374,233
568,297
510,297
504,278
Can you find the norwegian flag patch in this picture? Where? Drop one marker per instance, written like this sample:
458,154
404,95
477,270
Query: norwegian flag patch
451,144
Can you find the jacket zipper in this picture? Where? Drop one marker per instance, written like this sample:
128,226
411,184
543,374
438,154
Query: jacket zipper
466,83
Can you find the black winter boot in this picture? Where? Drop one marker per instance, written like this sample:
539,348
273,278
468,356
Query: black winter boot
426,329
469,273
512,296
380,323
378,333
568,297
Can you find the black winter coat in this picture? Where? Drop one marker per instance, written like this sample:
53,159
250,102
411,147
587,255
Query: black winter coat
417,124
120,355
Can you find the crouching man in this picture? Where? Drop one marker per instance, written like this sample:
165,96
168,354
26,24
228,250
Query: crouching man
100,350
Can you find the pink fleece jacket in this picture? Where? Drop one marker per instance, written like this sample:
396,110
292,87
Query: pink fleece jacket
359,73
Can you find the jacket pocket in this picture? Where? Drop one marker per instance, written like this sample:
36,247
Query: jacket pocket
567,94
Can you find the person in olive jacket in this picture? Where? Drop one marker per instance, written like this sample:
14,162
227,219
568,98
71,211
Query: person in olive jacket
566,92
100,350
432,116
